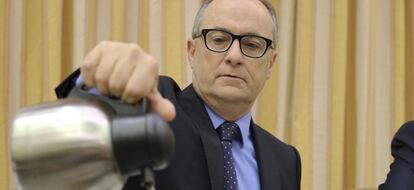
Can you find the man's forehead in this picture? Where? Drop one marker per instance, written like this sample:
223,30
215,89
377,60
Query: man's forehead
252,32
248,6
239,17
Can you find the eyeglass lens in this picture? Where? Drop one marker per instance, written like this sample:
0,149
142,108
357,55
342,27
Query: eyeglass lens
220,41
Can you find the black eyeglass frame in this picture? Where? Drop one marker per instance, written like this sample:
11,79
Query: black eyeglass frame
204,32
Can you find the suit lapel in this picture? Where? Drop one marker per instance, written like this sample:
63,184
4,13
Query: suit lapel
194,108
269,171
266,161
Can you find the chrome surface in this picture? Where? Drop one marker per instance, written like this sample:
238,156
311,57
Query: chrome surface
64,145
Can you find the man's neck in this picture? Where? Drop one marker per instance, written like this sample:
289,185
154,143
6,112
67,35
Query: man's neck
228,111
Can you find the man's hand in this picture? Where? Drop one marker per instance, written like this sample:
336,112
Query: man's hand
125,71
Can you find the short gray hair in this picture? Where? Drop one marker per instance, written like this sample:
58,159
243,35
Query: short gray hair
203,8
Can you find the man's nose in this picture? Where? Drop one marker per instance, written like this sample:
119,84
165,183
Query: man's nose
234,54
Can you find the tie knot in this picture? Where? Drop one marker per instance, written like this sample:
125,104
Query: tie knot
228,131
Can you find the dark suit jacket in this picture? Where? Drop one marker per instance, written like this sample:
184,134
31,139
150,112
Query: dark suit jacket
197,163
401,175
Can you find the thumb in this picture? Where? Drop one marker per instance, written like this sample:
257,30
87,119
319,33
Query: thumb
160,105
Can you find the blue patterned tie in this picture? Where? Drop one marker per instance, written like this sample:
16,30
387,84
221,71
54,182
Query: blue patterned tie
229,131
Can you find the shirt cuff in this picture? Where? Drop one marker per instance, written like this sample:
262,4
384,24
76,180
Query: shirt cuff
79,81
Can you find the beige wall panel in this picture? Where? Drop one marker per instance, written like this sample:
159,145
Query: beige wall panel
191,8
411,59
383,71
4,65
131,21
45,51
67,38
266,108
32,68
338,62
79,32
351,128
52,65
409,55
118,20
144,24
399,39
173,41
103,28
370,160
155,32
362,73
285,64
15,56
90,24
302,136
320,94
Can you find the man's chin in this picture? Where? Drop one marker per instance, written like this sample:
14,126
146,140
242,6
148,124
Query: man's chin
231,94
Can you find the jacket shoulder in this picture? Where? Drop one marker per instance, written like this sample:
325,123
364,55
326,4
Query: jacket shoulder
283,156
166,85
272,140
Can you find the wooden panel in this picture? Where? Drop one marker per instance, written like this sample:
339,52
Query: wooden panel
173,41
33,53
4,167
303,89
337,96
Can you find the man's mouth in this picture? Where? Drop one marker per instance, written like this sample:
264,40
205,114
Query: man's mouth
231,77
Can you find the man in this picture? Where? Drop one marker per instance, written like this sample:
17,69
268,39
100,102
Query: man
218,146
401,175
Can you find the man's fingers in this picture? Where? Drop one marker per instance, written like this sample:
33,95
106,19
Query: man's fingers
119,77
162,106
89,66
103,73
123,70
142,81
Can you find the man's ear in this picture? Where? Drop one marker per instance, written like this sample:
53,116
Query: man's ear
272,62
190,51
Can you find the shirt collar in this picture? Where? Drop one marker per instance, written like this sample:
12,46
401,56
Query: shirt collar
243,122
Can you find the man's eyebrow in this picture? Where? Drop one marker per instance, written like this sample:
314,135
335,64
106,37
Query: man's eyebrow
221,28
248,33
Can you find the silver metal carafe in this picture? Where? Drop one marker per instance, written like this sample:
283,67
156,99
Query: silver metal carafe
86,142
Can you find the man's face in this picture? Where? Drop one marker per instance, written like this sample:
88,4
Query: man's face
231,77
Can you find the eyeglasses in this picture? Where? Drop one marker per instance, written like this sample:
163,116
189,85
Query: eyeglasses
217,40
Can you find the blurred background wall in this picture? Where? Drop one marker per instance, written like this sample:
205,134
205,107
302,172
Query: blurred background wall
342,85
